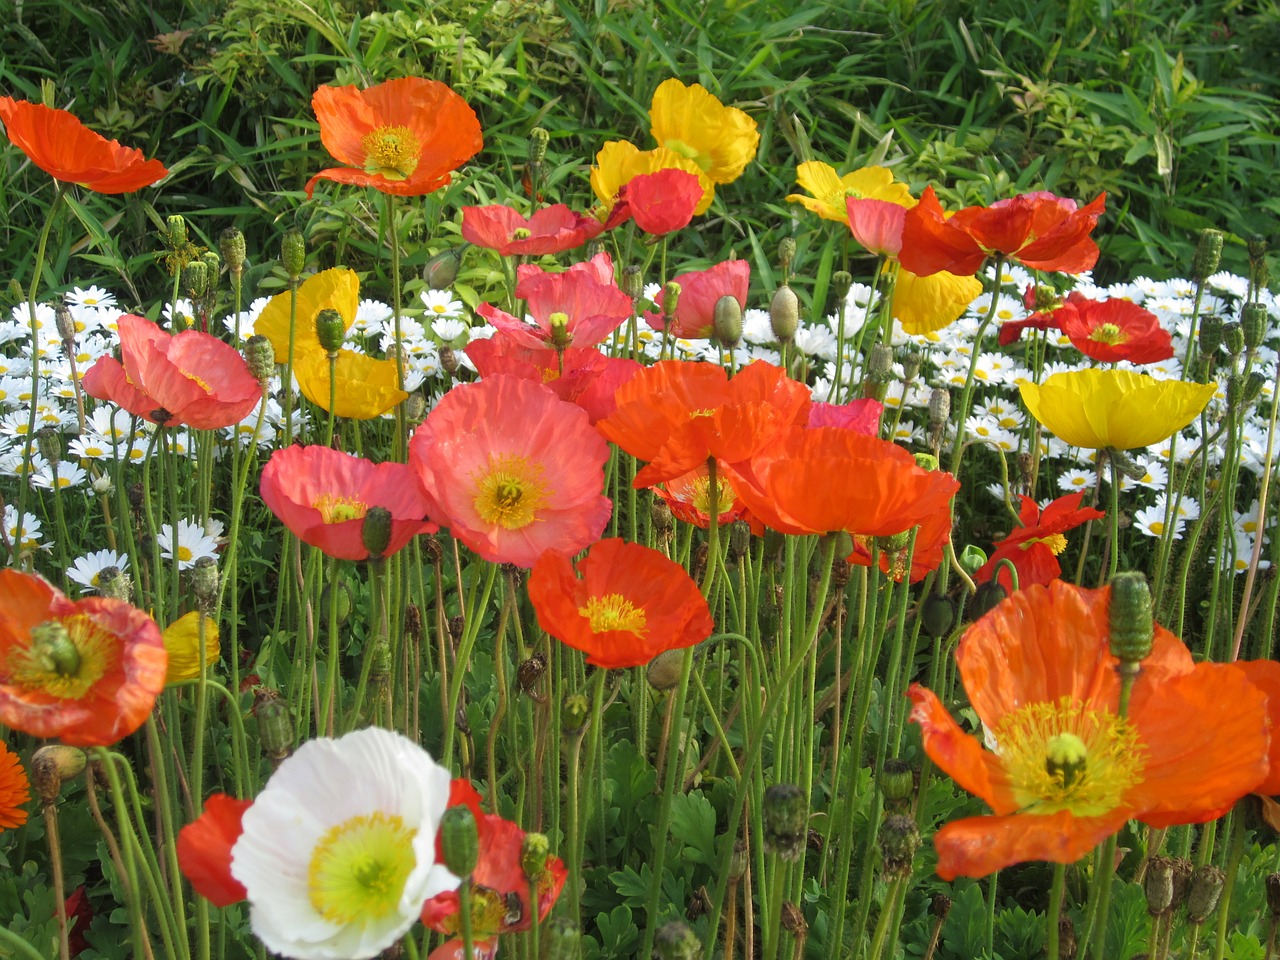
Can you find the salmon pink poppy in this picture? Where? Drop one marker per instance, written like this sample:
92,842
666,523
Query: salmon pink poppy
660,202
699,291
324,496
1113,330
67,150
1033,548
1064,770
626,603
85,672
402,137
620,162
512,470
551,229
678,414
570,308
192,378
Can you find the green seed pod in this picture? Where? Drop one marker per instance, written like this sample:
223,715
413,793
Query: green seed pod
1158,885
1233,334
344,599
1206,888
213,263
231,244
375,533
726,321
293,253
631,281
459,840
204,580
573,715
331,330
1208,255
786,821
177,229
899,841
1210,336
260,357
538,139
784,314
897,782
275,725
1253,321
195,279
841,284
1131,618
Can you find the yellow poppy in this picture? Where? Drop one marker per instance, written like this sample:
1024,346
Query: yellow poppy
926,304
335,289
1114,408
691,122
830,190
619,161
182,640
366,386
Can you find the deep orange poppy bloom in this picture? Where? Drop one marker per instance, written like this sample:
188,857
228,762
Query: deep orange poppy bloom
67,150
85,672
689,499
204,850
699,291
626,604
1112,330
914,560
323,496
1034,547
15,790
827,479
1065,771
193,378
1265,675
403,136
1039,230
551,229
677,414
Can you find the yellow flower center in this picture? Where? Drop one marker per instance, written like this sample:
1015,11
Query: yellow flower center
511,493
391,152
1107,333
1056,543
1156,527
336,509
703,160
197,381
614,612
64,659
1061,757
697,493
521,233
359,868
184,553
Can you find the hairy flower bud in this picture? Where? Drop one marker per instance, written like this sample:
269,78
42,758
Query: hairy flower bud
375,532
670,299
1253,322
275,725
726,321
231,245
663,671
899,841
786,255
114,583
260,357
786,820
1130,616
1210,337
1208,255
459,840
1202,897
176,226
938,615
52,766
538,139
631,281
204,581
1233,334
841,284
331,330
784,314
1158,886
65,322
939,406
49,443
442,269
897,783
293,253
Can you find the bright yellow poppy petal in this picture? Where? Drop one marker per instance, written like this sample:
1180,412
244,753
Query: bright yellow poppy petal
365,386
619,161
691,122
334,289
830,190
926,304
182,640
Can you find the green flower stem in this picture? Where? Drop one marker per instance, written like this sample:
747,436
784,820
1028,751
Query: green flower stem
378,588
888,913
1113,521
239,742
505,616
325,721
164,798
464,918
18,944
966,393
1052,945
1234,856
49,810
469,634
574,827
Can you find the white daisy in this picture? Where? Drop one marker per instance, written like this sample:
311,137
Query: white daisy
85,570
93,297
192,544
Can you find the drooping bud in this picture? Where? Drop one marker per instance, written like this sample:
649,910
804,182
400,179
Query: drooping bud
415,409
1253,322
459,840
1208,255
375,533
841,284
442,269
897,782
1158,886
331,330
631,281
899,841
938,615
538,139
985,599
784,314
65,322
231,244
260,357
786,820
531,671
176,226
52,766
293,253
786,256
1206,888
726,321
676,941
448,360
1130,617
275,725
663,671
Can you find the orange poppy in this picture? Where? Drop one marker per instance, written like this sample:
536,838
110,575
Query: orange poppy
403,136
1065,771
689,498
1112,330
1033,548
67,150
626,604
85,672
204,850
700,291
15,789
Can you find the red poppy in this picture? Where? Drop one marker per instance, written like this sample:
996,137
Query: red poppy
1066,771
550,230
660,202
512,470
911,560
79,915
626,604
570,308
699,291
1011,331
85,672
67,150
1033,548
824,479
193,378
1040,230
677,414
403,136
1112,330
689,499
323,495
204,850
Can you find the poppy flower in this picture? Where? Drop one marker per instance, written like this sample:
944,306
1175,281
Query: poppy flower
677,414
661,202
402,137
570,308
182,642
1064,771
689,498
15,789
619,162
79,915
1114,408
551,229
831,190
800,484
860,416
1113,330
323,495
1039,230
1265,675
914,560
626,603
85,672
699,292
512,470
204,850
192,378
691,122
1034,547
67,150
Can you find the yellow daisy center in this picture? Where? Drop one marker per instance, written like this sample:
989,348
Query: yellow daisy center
338,509
64,659
391,152
1056,543
184,552
613,611
359,868
1060,757
1107,333
511,493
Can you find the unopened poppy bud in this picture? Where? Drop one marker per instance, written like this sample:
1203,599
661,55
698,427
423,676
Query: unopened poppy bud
739,538
52,766
786,255
1210,336
1233,335
1253,321
231,244
293,253
899,841
1202,897
65,322
841,284
786,820
1131,618
573,715
53,650
880,362
927,461
911,363
195,279
176,227
331,330
793,920
985,598
897,783
784,314
726,321
260,357
459,840
1158,886
938,615
533,856
670,298
415,409
375,532
49,443
660,515
939,406
538,139
676,941
442,269
631,281
275,725
114,583
972,558
1272,886
663,672
1208,255
562,940
204,580
560,336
